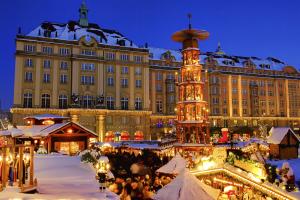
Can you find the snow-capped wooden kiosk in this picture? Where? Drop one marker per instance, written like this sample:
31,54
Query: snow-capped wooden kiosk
51,133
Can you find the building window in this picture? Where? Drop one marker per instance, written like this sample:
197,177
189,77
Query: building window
159,106
88,52
138,103
270,93
63,101
138,71
244,102
110,81
138,83
110,56
170,76
158,88
64,51
47,64
87,101
234,81
64,65
244,82
244,91
28,62
47,50
214,80
215,100
245,122
124,70
138,59
244,111
63,78
87,80
124,82
170,88
45,100
234,90
110,102
46,78
225,111
234,101
124,103
27,100
159,76
124,57
110,69
88,67
28,76
235,111
171,99
29,48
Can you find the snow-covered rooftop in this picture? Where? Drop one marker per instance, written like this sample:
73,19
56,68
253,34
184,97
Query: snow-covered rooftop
277,134
223,59
72,31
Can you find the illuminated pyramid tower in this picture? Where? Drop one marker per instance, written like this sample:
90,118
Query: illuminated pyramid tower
192,109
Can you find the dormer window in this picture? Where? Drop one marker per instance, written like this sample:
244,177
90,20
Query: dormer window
265,66
228,62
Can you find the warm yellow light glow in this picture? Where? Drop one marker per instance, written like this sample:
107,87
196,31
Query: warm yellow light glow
106,145
48,122
42,142
70,130
35,141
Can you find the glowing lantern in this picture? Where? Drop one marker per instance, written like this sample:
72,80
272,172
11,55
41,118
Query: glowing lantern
125,136
138,135
109,136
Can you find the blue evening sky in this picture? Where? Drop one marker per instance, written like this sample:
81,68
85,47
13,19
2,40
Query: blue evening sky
249,27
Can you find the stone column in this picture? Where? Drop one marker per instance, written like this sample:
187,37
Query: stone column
287,99
277,98
37,83
100,127
75,77
131,88
240,95
55,80
230,94
18,81
74,118
164,92
100,79
145,83
118,103
153,92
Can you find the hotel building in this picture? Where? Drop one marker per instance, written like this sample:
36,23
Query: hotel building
104,81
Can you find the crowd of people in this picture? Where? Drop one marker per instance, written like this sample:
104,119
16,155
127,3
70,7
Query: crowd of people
135,177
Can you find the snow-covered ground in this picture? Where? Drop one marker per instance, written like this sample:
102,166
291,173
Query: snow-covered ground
294,163
61,177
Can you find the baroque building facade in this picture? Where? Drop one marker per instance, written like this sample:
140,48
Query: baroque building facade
104,81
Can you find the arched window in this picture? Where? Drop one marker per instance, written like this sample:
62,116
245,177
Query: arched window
63,101
45,100
27,100
87,101
124,103
110,102
138,103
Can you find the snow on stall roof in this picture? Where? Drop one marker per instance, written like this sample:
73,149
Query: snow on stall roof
184,186
176,165
46,116
278,133
72,31
38,130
